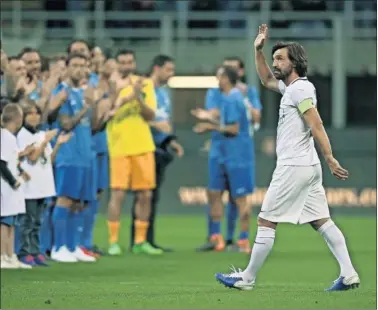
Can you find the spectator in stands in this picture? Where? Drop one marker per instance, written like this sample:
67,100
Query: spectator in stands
204,5
317,27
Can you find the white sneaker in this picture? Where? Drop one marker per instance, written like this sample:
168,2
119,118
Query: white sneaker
14,260
5,263
81,256
63,255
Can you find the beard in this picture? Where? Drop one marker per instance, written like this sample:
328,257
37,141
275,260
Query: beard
125,73
282,74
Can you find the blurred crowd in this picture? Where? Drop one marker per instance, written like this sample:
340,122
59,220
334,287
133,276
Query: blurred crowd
224,7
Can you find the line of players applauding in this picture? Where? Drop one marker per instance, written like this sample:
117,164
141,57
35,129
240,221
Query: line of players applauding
82,123
60,122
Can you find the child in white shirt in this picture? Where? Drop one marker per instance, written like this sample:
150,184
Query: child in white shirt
38,164
12,196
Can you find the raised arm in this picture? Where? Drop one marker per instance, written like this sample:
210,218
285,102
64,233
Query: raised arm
266,75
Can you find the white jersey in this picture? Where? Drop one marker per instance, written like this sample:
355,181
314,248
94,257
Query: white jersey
295,145
41,184
12,200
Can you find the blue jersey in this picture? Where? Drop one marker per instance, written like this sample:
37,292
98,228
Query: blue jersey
236,149
214,101
163,113
55,124
78,150
35,96
99,141
254,98
93,80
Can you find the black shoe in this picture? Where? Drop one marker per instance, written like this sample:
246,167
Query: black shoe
165,250
95,249
207,247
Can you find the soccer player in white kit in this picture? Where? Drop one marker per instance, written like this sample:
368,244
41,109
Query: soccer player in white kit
296,194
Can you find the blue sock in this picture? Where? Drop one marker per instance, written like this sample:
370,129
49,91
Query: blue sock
215,228
244,235
232,213
89,218
209,222
60,219
74,229
45,234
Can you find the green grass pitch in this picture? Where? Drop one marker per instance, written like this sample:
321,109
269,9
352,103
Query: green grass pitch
294,276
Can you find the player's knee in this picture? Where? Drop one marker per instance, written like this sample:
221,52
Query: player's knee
245,215
264,223
117,196
319,223
144,197
214,197
216,214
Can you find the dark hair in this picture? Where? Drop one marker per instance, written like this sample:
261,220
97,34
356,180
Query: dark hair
27,50
243,79
58,58
75,55
235,58
77,41
160,60
13,58
10,112
297,55
124,52
231,74
27,107
45,64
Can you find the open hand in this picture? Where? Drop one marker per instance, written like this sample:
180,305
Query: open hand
201,127
64,138
261,38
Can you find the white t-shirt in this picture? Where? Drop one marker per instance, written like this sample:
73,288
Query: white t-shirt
295,145
12,201
41,184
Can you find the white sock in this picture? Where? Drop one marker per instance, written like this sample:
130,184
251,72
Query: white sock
263,244
336,242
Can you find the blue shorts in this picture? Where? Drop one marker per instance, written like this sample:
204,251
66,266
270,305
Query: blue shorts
8,220
239,179
77,183
102,171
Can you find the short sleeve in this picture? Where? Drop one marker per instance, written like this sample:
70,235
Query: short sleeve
5,149
254,98
210,100
281,86
23,139
150,96
161,115
163,112
56,90
304,98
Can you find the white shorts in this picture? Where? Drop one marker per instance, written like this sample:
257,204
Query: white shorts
295,195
